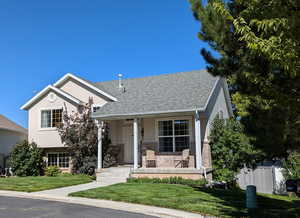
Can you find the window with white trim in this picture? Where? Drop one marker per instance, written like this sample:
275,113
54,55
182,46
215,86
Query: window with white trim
58,159
173,135
51,118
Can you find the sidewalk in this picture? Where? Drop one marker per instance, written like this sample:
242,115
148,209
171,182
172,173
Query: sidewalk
65,191
135,208
108,176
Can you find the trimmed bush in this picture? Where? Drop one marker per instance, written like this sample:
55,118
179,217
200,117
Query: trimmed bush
171,180
26,159
52,171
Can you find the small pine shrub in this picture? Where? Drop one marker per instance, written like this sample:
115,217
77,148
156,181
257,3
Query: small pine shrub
52,171
171,180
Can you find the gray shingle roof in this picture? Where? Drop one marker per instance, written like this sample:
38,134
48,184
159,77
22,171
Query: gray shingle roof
184,91
7,124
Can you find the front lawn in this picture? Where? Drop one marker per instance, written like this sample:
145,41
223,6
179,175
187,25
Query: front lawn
39,183
222,203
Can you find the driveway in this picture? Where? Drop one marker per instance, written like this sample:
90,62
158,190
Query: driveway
32,208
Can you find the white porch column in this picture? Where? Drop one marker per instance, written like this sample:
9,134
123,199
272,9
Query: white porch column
135,143
198,144
99,155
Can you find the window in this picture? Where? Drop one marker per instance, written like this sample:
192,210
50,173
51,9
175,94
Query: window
58,159
63,160
173,135
52,159
51,118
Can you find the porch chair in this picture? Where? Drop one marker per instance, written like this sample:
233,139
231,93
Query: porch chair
150,158
185,159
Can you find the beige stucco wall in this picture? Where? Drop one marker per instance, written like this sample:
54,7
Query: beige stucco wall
46,137
82,93
50,137
8,139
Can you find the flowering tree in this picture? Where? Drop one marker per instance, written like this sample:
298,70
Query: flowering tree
78,132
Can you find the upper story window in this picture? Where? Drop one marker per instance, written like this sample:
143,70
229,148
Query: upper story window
51,118
173,135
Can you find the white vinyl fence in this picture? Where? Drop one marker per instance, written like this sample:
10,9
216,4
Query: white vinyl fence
267,179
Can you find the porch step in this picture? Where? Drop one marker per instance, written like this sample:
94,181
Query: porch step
114,175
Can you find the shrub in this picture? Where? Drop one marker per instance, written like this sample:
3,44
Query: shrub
89,164
231,149
52,171
171,180
292,166
26,159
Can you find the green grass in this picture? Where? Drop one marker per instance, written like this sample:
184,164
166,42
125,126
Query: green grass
221,203
39,183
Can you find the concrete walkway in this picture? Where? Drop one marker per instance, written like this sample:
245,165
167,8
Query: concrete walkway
109,176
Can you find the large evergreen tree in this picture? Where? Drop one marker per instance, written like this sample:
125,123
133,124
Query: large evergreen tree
258,43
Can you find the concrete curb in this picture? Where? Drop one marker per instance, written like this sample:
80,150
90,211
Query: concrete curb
134,208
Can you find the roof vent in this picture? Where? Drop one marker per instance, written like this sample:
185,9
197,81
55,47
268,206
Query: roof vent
121,87
120,80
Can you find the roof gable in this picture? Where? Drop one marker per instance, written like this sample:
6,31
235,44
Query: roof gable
48,88
84,82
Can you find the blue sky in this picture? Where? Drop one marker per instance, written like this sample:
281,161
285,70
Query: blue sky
40,41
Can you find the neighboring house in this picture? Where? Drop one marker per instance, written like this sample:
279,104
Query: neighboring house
10,134
167,113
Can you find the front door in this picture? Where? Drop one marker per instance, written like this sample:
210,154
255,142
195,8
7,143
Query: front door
128,143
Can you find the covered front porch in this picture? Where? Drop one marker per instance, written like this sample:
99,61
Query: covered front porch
160,145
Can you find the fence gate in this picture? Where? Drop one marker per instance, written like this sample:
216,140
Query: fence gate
263,177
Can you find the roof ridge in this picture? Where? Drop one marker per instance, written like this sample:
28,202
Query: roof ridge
164,74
